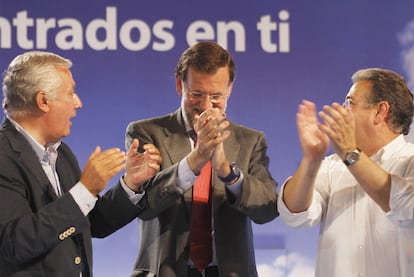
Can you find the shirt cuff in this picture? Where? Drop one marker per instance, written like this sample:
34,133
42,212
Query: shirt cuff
186,177
235,188
133,197
85,200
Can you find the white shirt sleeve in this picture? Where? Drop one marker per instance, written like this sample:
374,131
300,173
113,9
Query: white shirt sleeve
309,218
235,188
133,197
85,200
186,177
401,200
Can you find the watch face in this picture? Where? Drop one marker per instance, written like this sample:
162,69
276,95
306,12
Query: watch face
352,157
235,169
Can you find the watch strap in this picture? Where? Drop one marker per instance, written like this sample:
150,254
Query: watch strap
234,173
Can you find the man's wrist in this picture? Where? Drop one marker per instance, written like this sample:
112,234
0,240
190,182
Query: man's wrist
352,157
195,163
233,175
138,188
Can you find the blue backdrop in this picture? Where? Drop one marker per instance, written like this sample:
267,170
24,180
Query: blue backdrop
124,54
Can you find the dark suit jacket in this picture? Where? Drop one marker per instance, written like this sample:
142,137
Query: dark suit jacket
165,229
41,234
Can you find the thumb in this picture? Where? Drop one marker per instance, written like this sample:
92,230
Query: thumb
95,152
133,149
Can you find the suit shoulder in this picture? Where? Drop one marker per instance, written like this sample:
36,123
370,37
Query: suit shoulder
158,120
242,130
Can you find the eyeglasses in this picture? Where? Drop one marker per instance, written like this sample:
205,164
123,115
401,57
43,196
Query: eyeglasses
214,98
348,103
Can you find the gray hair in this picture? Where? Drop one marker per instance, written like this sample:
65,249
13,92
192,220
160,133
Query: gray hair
28,74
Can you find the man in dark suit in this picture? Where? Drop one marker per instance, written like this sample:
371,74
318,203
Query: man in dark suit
49,208
242,189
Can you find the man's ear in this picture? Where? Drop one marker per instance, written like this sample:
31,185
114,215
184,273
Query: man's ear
383,109
179,85
42,102
231,88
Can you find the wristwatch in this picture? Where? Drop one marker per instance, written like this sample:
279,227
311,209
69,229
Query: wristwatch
352,157
234,173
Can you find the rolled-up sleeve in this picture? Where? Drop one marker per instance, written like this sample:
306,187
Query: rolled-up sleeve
401,199
309,218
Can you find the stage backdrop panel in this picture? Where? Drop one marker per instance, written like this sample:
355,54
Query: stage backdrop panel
124,54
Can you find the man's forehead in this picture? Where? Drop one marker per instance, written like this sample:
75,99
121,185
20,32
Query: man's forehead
360,89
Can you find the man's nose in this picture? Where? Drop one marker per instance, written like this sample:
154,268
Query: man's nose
206,102
77,101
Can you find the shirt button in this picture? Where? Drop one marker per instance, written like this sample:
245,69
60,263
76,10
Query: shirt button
77,260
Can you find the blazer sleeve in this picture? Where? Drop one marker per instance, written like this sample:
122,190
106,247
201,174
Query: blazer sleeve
258,198
161,190
113,211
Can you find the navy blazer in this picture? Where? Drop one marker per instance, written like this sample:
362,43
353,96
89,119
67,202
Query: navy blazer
42,234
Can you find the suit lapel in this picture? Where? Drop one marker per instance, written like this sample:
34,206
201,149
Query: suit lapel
177,145
33,166
175,141
28,158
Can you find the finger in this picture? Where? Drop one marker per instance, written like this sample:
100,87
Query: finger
331,115
151,148
217,132
335,111
214,127
133,149
205,115
95,152
154,156
195,121
154,166
112,171
220,138
326,124
109,159
307,108
205,118
109,154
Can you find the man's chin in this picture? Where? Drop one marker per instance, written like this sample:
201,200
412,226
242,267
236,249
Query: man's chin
191,117
66,134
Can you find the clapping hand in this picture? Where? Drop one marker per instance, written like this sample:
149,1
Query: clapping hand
141,166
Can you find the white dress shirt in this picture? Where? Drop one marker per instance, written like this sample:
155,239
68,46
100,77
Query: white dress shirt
357,238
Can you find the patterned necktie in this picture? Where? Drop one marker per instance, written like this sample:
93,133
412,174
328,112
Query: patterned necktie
201,251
